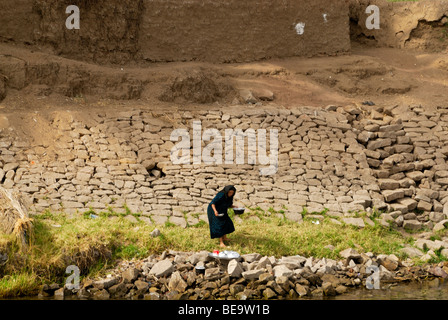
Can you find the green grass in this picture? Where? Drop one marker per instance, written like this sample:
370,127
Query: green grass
18,284
97,244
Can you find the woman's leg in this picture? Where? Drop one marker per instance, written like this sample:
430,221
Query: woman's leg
221,242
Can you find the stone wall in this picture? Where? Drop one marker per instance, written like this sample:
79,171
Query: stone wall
341,159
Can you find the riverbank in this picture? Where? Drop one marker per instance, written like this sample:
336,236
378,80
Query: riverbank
102,244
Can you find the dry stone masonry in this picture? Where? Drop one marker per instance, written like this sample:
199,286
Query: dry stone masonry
340,159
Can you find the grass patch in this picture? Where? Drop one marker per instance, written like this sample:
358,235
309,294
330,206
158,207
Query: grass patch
19,284
95,244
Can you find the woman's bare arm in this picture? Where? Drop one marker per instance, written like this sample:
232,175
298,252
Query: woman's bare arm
214,209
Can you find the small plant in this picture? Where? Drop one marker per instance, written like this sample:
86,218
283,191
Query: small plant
435,237
304,211
444,32
47,214
126,208
169,224
88,213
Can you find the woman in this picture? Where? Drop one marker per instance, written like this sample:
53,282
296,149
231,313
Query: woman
221,226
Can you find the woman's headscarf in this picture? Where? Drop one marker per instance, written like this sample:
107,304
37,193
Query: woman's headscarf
227,189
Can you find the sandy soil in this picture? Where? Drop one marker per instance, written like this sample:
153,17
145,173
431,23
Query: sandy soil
385,76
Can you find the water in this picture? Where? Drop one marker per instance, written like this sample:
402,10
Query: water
436,289
431,290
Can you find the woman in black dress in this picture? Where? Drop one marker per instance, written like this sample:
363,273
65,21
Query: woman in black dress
220,226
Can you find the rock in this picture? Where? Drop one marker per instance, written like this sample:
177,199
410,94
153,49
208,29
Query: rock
179,221
101,295
130,275
177,283
391,195
198,257
384,274
445,209
152,296
59,294
252,274
410,216
131,218
331,278
264,94
438,272
262,263
411,204
155,233
118,290
251,257
328,289
412,252
294,216
379,143
162,268
247,96
440,225
106,283
302,290
423,244
49,290
146,220
426,258
10,166
444,253
83,293
236,288
415,175
412,224
350,254
389,264
141,286
293,262
388,184
282,270
312,278
212,274
438,207
424,206
268,293
234,268
357,222
341,289
265,277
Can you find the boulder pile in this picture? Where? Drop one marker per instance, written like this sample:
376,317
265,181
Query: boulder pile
173,275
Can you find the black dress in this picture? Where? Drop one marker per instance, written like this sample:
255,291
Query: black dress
220,226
